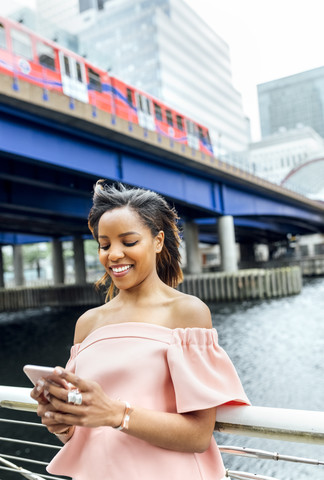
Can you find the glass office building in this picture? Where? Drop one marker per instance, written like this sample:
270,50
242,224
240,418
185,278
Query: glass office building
292,101
164,48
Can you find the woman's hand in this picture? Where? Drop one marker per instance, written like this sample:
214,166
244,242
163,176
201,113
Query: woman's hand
96,409
41,395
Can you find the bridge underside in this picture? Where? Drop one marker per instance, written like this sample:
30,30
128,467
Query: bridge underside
47,172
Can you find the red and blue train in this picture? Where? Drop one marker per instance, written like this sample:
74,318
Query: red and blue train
28,57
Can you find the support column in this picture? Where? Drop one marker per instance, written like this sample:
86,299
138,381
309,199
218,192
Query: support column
57,261
2,283
226,235
192,247
18,265
79,261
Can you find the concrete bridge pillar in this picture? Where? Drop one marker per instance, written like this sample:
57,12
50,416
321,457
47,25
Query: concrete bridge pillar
226,235
18,265
57,261
192,247
2,283
79,261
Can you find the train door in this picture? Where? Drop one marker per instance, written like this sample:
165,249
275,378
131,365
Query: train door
73,77
192,134
144,111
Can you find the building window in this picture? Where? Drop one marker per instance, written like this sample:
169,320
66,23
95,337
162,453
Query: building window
2,36
46,55
94,80
85,5
169,117
179,122
158,112
21,44
129,97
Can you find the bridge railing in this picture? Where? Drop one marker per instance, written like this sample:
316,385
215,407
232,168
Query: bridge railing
274,423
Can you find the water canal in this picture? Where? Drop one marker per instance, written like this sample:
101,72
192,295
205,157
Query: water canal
277,347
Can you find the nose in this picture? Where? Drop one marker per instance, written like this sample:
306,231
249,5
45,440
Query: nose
115,253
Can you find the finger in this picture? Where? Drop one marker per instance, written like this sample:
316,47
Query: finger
82,385
67,419
37,393
70,408
58,380
54,390
42,409
58,428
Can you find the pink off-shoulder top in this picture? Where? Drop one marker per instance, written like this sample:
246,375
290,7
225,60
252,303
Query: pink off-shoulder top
170,370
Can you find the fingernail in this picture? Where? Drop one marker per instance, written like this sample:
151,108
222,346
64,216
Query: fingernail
58,371
40,384
46,394
47,414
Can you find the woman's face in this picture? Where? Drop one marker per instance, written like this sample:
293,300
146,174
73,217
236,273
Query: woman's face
127,248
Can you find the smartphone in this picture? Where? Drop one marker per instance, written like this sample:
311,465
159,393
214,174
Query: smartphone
35,372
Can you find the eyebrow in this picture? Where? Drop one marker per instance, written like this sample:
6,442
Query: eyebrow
121,235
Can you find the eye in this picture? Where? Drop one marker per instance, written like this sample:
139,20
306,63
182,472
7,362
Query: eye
103,247
127,244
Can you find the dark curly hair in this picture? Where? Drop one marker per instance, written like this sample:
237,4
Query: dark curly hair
154,212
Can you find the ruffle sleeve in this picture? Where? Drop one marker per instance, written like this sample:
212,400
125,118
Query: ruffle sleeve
203,375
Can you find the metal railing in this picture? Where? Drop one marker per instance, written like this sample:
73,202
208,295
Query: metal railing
274,423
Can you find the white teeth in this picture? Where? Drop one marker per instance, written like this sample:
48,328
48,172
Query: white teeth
120,269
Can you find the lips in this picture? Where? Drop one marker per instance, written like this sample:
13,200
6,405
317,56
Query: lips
120,270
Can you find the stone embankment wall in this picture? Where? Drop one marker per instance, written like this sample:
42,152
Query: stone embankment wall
312,267
210,287
244,284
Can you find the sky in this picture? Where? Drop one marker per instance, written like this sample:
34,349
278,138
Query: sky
267,40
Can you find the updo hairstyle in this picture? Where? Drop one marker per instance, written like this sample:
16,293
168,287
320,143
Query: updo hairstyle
155,214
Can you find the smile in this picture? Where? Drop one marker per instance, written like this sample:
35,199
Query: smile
124,268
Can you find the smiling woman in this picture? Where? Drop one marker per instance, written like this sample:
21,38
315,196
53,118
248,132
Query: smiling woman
150,345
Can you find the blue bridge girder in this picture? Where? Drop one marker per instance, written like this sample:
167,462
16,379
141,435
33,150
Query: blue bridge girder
48,167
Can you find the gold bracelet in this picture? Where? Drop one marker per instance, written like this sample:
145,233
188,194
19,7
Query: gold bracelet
126,417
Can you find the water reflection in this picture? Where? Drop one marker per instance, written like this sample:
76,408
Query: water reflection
277,347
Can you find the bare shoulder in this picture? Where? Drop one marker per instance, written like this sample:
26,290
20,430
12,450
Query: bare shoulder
191,312
87,322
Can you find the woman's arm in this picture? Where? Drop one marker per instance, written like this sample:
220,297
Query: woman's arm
187,432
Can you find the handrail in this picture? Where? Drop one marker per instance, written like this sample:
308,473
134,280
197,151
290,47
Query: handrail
277,423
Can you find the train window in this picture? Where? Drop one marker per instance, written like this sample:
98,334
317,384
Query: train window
129,96
46,55
169,117
2,36
158,112
21,44
67,66
200,133
79,71
94,80
191,128
148,106
140,103
179,122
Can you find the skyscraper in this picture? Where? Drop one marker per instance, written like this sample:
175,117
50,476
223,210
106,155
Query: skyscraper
164,48
293,101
